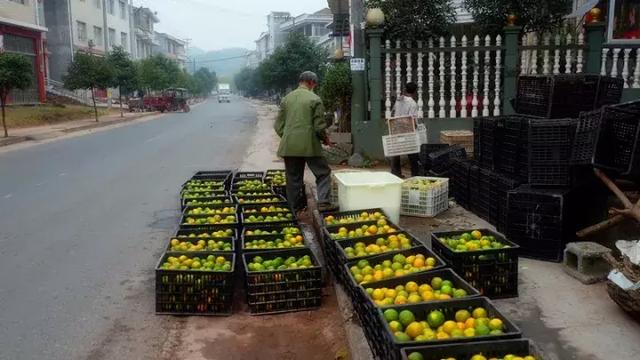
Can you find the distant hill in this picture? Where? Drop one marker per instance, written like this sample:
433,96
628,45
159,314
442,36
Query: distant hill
225,62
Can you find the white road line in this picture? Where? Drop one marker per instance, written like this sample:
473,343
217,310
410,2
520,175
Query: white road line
62,174
8,196
40,184
150,140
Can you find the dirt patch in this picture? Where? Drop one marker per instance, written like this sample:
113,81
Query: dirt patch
310,335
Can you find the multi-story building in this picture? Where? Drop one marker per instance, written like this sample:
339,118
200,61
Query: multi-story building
281,24
313,26
171,47
144,21
22,31
93,26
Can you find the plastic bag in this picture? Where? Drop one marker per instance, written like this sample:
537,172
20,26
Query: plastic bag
631,249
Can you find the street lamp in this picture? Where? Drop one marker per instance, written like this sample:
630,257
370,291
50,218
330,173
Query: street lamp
375,17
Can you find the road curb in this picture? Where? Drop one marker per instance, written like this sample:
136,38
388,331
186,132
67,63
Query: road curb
12,140
58,133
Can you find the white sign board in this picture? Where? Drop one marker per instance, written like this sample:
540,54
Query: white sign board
357,64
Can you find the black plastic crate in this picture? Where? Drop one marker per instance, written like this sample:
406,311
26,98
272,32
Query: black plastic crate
459,181
280,291
185,215
194,240
425,151
609,91
421,278
618,143
195,183
209,230
372,324
488,195
248,175
330,251
489,349
440,160
493,272
260,200
268,238
550,147
586,136
205,201
343,244
220,175
353,287
339,215
353,227
191,194
543,221
503,185
393,347
244,216
475,191
213,174
191,292
556,96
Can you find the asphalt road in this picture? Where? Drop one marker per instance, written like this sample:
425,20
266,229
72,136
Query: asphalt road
83,222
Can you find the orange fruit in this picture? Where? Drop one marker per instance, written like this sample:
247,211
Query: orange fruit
470,323
414,329
479,313
418,262
411,286
449,326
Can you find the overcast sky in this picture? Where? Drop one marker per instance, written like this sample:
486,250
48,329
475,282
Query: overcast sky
218,24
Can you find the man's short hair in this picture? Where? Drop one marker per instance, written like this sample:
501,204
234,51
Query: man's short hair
309,76
411,88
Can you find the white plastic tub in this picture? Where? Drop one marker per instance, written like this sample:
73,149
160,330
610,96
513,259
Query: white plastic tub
367,189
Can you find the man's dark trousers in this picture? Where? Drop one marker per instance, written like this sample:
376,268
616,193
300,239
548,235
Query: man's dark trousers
294,168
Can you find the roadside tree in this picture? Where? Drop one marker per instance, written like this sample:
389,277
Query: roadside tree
533,15
89,72
415,19
336,90
15,73
125,73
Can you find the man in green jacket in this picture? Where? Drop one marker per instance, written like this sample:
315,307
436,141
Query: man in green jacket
302,128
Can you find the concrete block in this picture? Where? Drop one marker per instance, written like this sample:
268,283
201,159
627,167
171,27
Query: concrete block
584,261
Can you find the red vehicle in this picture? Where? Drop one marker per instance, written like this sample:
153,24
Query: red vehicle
170,100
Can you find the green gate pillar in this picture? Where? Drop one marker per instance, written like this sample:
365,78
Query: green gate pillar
375,73
511,39
367,135
595,42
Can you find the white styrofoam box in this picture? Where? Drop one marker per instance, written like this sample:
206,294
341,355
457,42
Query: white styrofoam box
425,202
334,184
369,189
401,144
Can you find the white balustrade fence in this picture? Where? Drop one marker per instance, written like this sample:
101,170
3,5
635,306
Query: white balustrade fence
552,54
463,76
622,62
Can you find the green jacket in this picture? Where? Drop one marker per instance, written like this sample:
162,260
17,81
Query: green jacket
301,124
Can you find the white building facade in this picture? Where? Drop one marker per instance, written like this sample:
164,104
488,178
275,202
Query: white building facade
171,47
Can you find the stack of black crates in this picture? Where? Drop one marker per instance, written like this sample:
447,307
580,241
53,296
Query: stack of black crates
532,175
187,291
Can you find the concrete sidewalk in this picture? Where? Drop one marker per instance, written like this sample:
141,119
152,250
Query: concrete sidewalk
37,133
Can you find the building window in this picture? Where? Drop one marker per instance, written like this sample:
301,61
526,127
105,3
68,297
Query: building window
82,31
124,40
97,35
112,37
123,10
111,6
98,4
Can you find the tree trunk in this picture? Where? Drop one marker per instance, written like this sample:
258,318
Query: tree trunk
95,107
3,99
120,99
